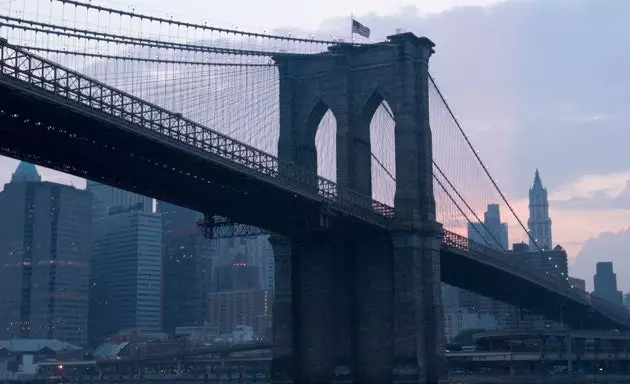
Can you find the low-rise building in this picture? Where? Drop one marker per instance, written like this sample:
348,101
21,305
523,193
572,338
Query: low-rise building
19,358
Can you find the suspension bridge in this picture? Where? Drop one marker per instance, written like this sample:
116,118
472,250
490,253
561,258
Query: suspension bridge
346,151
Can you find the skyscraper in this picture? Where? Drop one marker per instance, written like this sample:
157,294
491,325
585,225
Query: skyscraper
553,261
237,276
44,258
605,282
106,198
250,307
578,284
492,232
259,253
187,264
25,172
126,274
255,249
539,223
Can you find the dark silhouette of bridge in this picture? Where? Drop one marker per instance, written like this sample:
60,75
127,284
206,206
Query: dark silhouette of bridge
357,279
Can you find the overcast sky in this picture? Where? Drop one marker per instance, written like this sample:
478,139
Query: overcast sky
537,84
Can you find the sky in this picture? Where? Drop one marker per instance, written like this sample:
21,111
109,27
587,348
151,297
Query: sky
536,84
274,14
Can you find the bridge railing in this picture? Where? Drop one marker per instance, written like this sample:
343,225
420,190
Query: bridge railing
615,312
512,264
153,120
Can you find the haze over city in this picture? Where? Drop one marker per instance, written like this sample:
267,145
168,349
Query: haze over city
536,84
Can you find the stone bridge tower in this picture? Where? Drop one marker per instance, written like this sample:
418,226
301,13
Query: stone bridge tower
366,308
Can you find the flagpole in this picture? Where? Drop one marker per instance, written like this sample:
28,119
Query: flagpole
351,29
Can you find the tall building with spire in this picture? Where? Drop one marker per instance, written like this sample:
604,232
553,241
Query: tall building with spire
539,223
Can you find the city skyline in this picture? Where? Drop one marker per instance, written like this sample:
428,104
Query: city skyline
24,170
119,266
219,218
587,198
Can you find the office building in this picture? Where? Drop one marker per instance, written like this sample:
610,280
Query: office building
577,283
126,274
553,261
256,250
251,307
187,268
260,254
605,283
106,198
492,232
237,276
44,259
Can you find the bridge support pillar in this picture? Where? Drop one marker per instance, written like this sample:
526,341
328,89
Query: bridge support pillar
318,335
366,311
364,308
374,341
283,363
418,323
314,304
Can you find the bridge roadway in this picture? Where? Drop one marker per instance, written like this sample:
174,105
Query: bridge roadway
200,357
256,369
60,119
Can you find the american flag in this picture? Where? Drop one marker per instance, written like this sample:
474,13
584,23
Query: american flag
360,29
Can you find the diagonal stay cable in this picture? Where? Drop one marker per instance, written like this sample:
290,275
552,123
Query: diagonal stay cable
529,235
467,206
383,166
483,165
459,208
391,115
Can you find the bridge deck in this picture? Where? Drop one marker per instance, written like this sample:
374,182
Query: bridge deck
30,74
61,119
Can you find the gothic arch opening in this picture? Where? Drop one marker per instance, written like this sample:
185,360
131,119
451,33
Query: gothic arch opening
323,124
383,149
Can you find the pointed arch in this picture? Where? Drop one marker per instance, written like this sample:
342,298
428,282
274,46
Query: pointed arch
317,108
373,99
321,139
317,112
378,115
